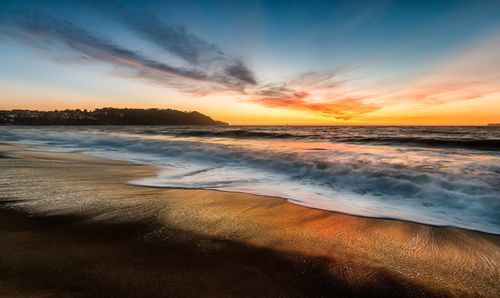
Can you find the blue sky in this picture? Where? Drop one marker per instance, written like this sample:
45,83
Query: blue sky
182,54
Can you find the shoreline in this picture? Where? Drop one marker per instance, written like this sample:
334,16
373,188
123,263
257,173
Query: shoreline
355,255
319,209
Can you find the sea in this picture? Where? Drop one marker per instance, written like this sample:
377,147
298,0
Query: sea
444,176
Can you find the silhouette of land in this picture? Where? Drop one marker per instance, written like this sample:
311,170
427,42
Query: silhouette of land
106,116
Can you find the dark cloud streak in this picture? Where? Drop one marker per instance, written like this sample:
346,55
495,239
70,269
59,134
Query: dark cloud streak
176,40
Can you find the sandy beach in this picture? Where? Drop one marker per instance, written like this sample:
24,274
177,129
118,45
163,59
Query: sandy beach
72,225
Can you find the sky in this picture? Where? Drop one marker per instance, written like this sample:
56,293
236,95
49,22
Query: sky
258,62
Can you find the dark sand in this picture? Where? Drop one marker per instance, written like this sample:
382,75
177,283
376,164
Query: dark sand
70,225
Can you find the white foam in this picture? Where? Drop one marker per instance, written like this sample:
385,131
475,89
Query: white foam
433,186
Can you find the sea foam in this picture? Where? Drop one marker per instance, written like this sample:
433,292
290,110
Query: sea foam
440,185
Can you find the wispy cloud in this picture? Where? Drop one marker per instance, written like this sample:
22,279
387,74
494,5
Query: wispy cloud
471,73
343,109
323,92
176,40
48,33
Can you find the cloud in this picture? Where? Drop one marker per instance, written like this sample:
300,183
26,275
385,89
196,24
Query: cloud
207,69
176,40
343,109
190,48
318,92
50,34
470,73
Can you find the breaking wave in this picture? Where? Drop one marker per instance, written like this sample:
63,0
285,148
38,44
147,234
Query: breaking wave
423,183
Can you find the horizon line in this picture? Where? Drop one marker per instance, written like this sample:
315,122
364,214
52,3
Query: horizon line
258,123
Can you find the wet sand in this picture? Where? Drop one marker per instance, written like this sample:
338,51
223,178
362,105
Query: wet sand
71,225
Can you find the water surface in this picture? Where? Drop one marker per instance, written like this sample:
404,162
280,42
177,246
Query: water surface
432,175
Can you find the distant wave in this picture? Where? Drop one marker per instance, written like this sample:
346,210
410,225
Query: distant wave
438,143
434,139
240,133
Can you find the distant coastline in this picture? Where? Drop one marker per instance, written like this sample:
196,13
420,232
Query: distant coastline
494,124
106,116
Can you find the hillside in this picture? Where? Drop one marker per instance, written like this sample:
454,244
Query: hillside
106,116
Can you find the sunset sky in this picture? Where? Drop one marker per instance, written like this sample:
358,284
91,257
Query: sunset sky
258,62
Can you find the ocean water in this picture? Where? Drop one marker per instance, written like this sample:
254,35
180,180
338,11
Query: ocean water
446,176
